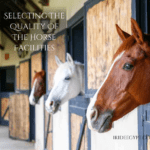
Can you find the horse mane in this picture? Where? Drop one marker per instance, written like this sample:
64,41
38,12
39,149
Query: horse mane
78,63
125,46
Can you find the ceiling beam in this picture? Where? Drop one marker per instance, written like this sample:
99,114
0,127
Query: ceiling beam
34,6
14,10
23,9
10,36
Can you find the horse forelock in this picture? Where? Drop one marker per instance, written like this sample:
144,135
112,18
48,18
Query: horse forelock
125,46
38,75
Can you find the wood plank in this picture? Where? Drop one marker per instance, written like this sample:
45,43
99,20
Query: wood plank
24,76
4,105
59,50
36,64
102,38
19,125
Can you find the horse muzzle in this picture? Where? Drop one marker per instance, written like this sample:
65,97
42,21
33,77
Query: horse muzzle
36,99
103,122
53,106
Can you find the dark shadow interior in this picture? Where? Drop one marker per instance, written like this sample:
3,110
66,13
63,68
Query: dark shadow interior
78,42
7,78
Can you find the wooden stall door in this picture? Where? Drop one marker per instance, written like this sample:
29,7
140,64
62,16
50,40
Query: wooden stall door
4,110
79,132
102,38
19,125
19,107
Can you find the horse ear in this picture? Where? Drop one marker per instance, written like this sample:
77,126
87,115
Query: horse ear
137,32
58,61
122,34
69,58
43,73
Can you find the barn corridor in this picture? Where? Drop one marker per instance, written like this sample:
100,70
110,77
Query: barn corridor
7,143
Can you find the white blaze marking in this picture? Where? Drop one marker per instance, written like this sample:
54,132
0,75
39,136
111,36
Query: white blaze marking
31,98
92,103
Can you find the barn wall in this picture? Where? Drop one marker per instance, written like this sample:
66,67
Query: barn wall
102,43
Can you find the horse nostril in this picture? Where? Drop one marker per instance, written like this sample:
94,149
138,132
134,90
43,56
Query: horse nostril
51,103
94,114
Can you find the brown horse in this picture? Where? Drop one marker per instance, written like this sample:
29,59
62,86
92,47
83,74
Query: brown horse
127,84
38,88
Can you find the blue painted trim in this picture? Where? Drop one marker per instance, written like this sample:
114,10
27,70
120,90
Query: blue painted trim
140,14
27,92
70,42
79,104
70,130
82,127
24,61
36,52
79,15
90,93
140,128
16,78
5,94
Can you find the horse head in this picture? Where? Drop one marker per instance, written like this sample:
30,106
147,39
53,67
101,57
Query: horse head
68,81
127,83
38,88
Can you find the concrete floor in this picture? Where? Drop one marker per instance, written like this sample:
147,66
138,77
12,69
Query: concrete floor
7,143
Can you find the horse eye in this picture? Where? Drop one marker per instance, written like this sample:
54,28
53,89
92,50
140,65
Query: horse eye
67,78
40,83
127,66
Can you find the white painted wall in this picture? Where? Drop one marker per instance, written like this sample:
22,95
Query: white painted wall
61,129
126,126
39,125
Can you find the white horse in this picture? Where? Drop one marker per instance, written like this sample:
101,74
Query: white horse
68,83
